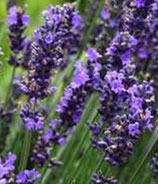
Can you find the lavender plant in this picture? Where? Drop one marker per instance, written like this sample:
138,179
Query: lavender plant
79,92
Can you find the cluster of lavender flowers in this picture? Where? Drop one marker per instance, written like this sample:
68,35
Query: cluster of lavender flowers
127,102
127,111
8,176
60,33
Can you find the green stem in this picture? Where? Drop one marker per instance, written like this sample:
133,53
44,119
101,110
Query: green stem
6,102
10,85
140,166
25,150
75,175
76,151
99,166
81,4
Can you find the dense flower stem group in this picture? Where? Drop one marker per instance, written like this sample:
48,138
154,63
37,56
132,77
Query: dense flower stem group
119,50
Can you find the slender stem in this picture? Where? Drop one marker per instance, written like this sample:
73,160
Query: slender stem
10,85
99,166
138,169
75,175
80,5
75,153
25,150
7,96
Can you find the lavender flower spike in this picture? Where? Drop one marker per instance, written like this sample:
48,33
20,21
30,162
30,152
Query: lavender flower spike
17,23
58,36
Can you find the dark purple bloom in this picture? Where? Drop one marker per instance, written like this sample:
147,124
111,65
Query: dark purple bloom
70,105
125,99
12,17
133,129
62,141
133,40
49,38
94,67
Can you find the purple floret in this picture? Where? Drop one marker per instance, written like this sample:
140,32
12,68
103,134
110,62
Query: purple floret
28,176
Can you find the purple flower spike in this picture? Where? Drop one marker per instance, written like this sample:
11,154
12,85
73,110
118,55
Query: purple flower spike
48,49
17,23
33,120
